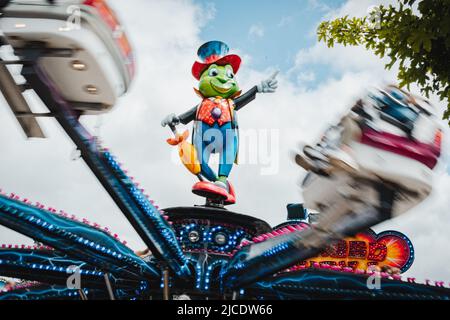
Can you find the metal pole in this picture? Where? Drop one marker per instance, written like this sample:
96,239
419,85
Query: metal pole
166,289
109,287
82,294
18,104
89,149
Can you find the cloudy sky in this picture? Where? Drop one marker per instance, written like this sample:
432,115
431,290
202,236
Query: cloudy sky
316,85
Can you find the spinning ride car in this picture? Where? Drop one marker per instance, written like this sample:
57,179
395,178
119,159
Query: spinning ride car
391,137
82,49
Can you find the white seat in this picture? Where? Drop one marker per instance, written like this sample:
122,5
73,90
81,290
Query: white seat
96,73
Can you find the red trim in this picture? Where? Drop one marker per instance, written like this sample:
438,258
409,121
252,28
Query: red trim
209,190
212,58
438,140
232,59
427,154
109,17
231,199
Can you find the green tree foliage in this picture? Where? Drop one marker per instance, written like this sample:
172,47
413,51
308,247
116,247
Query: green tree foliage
416,34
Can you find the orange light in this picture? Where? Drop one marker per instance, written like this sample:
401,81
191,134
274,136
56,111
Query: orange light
105,12
110,18
438,139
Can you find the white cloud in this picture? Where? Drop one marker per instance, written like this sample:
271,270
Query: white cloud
357,8
284,21
256,31
339,58
307,76
208,12
318,5
43,171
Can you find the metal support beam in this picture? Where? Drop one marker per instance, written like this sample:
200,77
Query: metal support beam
150,227
83,296
13,62
109,287
166,289
34,115
18,104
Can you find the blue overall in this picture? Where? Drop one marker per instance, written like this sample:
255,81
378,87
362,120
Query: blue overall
215,139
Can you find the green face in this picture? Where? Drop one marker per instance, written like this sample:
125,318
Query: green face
218,81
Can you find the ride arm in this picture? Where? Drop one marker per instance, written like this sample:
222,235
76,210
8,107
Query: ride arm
146,218
54,267
76,239
259,261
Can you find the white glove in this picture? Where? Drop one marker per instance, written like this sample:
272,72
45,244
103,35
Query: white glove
171,119
270,85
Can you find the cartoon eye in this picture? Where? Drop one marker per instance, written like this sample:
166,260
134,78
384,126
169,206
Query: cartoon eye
230,74
213,72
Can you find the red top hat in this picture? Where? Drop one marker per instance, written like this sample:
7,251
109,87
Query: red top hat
214,52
